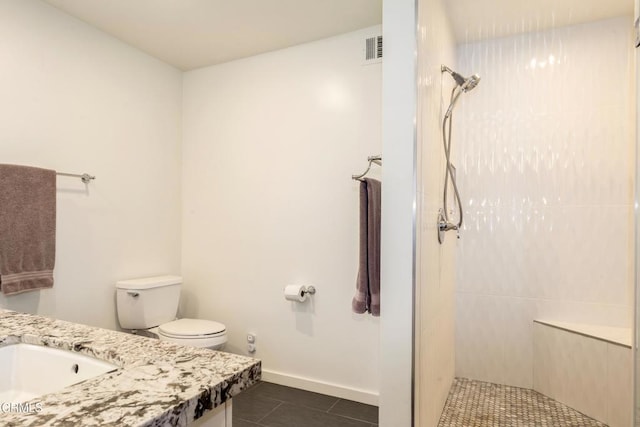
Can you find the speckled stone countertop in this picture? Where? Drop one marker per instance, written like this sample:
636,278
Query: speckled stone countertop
158,383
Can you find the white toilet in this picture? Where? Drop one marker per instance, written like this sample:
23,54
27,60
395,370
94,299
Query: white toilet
151,304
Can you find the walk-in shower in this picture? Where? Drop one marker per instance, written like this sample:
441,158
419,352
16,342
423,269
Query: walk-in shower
463,85
529,316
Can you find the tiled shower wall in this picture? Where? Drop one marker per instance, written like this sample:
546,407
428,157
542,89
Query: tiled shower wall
544,152
435,270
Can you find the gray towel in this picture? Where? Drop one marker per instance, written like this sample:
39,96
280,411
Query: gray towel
367,297
27,228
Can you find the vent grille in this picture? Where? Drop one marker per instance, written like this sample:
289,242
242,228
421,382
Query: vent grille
373,48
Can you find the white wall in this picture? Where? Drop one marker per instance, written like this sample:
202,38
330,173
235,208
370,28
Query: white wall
270,144
76,100
398,212
435,298
636,247
546,171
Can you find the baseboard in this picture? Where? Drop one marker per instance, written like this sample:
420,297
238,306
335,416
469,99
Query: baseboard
316,386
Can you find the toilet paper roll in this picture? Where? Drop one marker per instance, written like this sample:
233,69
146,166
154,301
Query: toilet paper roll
295,293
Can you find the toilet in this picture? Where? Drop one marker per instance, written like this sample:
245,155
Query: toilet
151,304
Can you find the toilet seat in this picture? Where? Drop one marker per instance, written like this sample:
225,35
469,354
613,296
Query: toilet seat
192,328
194,332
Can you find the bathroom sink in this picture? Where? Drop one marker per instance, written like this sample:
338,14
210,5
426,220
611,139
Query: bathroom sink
28,371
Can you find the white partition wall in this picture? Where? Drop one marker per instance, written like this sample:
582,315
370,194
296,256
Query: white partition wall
398,198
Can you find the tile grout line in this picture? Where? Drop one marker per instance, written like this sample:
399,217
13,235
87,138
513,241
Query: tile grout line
334,404
346,416
271,411
318,410
247,421
353,419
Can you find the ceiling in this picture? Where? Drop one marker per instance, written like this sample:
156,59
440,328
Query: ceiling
190,34
480,19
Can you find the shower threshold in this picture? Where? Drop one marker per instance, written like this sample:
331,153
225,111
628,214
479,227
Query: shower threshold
480,404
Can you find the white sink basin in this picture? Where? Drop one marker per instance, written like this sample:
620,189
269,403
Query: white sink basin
28,371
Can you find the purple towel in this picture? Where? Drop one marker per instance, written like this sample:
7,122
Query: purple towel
27,228
367,297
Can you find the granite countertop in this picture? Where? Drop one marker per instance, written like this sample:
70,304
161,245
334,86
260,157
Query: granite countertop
158,383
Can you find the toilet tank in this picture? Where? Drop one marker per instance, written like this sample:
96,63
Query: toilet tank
147,302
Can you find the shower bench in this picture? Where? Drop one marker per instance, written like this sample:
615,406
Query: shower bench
587,367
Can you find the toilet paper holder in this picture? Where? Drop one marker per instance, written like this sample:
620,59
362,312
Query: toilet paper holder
311,290
298,293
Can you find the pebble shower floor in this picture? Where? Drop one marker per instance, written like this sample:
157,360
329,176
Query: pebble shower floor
480,404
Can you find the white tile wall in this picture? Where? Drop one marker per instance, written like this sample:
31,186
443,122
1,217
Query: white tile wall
436,271
544,151
619,383
584,373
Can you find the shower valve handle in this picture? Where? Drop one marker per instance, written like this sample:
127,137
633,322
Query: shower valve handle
447,226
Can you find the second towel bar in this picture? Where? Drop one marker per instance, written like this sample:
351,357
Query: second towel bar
371,159
85,177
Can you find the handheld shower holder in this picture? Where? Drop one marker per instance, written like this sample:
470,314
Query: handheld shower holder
444,226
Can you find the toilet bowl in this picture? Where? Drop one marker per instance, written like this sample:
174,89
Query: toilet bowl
151,304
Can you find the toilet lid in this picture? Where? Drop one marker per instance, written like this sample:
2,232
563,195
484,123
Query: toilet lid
191,327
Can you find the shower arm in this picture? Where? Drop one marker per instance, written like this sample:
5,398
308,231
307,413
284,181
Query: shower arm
444,68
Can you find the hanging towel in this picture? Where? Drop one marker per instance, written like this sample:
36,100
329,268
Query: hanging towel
367,297
27,228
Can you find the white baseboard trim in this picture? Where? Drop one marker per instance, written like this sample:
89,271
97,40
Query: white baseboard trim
362,396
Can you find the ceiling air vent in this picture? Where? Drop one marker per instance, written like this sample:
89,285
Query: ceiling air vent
373,50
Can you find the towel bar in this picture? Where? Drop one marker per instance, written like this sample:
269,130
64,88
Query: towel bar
371,159
85,177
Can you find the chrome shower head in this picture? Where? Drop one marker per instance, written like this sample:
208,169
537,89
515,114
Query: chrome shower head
466,84
470,83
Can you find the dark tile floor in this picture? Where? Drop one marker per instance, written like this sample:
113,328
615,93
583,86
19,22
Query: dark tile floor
272,405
